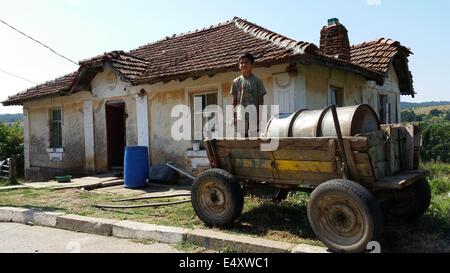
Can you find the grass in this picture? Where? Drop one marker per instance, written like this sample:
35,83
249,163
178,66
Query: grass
189,247
286,221
6,182
430,233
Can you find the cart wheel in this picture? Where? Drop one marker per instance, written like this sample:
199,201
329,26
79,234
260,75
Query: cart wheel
217,198
344,215
411,202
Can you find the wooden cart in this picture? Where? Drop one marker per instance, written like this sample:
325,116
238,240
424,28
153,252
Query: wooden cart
353,181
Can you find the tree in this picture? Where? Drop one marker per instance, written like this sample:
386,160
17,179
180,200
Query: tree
436,141
447,115
436,112
11,143
410,116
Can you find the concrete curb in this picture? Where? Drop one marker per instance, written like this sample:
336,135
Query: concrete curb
135,230
214,240
218,241
85,224
11,188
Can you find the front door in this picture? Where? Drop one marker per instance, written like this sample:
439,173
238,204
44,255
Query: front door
283,92
116,133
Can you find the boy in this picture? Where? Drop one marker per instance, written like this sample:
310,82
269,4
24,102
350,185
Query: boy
246,90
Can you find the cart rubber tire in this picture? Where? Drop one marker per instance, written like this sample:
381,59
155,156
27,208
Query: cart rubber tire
217,198
411,202
345,216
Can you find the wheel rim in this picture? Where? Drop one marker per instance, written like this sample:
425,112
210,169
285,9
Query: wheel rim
213,200
341,220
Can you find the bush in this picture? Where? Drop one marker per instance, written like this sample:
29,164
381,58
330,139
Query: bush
436,112
411,116
436,140
11,143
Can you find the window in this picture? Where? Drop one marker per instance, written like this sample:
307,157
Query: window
384,109
200,101
56,128
336,96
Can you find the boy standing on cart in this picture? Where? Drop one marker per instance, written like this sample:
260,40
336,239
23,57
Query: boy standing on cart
247,90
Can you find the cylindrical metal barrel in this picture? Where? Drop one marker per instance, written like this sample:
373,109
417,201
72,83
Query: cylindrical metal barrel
353,120
136,169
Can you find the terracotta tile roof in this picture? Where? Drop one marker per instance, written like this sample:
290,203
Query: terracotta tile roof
377,55
215,48
129,66
47,89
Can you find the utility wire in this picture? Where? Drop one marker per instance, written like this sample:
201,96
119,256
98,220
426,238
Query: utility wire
60,55
16,76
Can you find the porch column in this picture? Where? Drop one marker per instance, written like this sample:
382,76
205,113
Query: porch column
89,147
142,120
26,138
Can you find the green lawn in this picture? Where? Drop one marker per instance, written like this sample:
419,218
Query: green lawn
286,221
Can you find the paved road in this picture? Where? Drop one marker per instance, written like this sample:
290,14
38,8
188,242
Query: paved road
18,238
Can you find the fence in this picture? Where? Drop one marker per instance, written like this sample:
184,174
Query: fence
8,169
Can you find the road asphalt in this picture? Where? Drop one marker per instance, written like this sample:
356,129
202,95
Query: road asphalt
19,238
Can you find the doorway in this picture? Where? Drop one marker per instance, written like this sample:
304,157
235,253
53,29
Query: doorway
116,133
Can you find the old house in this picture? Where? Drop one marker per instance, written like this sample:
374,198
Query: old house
81,122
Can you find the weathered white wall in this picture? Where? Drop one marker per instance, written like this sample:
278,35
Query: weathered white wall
108,87
163,97
311,87
73,157
390,88
320,78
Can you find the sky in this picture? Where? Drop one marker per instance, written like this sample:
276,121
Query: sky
80,29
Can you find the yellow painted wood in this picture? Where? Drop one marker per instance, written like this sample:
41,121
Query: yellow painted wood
285,165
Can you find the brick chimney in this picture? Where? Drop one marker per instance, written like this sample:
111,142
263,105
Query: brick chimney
334,40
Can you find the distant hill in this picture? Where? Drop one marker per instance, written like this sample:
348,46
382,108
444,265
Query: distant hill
427,110
11,118
409,105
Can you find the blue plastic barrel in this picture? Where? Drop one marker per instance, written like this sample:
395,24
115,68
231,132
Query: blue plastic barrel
136,168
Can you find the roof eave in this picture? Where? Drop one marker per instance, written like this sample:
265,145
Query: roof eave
299,58
339,64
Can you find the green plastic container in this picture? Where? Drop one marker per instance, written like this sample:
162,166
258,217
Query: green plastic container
64,179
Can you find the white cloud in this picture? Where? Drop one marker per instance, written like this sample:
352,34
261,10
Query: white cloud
373,2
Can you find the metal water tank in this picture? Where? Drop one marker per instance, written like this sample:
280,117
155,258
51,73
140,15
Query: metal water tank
353,120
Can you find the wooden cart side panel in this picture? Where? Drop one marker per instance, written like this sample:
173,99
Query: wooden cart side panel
403,147
316,143
377,153
298,161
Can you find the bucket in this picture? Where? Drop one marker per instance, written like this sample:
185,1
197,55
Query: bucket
136,169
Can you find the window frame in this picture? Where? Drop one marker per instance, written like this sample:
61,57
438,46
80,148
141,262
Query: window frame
205,93
52,121
384,108
332,94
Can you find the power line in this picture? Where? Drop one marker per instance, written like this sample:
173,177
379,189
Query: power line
16,76
42,44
